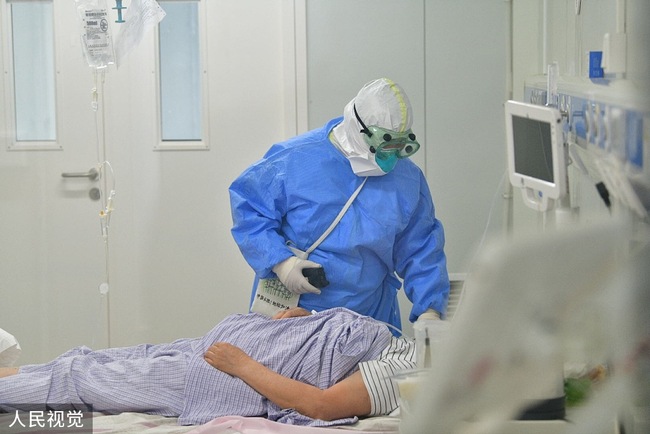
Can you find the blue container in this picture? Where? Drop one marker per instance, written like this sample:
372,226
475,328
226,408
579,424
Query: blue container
595,59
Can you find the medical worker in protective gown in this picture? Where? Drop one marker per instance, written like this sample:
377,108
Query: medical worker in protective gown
293,194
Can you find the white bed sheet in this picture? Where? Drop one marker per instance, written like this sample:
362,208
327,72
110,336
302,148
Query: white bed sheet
139,423
259,425
124,423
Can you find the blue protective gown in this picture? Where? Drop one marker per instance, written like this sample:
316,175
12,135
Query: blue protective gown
294,193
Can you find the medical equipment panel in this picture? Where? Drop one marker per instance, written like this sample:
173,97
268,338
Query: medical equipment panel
609,123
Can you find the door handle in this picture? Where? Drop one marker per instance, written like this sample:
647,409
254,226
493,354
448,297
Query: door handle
92,174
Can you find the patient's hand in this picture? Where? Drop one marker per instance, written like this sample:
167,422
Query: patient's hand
226,357
291,313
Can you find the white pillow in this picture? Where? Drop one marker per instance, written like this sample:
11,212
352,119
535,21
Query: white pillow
9,349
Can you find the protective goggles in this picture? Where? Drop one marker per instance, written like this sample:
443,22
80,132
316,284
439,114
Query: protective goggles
385,143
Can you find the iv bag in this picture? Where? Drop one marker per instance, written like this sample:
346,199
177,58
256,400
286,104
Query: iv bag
95,28
142,15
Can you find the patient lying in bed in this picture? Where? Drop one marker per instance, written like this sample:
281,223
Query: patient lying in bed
322,369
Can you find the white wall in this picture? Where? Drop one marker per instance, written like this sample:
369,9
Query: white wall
466,85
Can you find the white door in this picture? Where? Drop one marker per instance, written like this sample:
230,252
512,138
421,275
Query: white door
52,253
173,268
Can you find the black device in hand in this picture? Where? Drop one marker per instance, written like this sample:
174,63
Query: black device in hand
315,276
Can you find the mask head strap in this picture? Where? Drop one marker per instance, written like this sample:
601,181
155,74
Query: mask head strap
365,129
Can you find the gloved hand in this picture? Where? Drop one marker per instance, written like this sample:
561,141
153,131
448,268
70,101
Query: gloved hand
434,327
429,314
289,272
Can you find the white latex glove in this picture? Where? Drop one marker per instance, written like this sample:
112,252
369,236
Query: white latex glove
435,328
289,272
429,314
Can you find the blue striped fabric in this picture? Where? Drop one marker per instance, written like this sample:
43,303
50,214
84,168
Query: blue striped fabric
144,378
320,350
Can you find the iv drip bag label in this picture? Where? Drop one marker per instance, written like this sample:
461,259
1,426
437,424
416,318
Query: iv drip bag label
96,39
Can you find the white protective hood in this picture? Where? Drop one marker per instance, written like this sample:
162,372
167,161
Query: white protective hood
382,103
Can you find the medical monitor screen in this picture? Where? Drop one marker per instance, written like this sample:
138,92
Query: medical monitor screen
533,148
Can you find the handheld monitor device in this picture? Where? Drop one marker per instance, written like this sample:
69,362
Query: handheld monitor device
536,153
316,277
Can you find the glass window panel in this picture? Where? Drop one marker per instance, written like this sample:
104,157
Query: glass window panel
180,71
34,78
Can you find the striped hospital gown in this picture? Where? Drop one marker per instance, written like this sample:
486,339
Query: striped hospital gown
377,375
174,380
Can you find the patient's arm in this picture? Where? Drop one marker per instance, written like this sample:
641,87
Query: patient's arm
347,398
7,372
291,313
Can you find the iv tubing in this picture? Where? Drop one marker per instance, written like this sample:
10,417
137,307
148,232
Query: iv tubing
100,141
